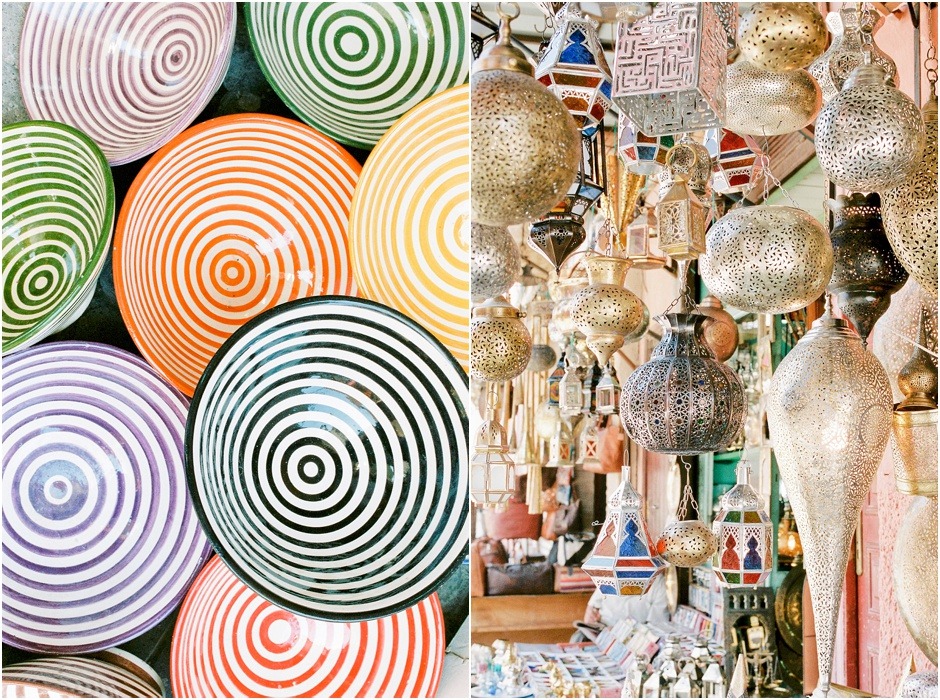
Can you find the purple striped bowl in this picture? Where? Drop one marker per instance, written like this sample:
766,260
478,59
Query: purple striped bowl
100,540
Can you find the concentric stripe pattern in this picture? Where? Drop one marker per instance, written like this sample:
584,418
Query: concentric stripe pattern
110,674
231,643
235,216
410,224
327,449
130,75
352,69
100,538
58,209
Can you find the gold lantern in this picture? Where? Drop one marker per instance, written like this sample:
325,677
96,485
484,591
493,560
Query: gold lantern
681,219
782,36
500,344
915,574
721,332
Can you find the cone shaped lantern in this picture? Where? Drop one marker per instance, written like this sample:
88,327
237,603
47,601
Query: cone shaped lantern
829,412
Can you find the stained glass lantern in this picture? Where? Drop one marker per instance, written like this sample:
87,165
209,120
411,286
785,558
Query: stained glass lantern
624,560
734,158
639,245
608,392
745,535
573,66
561,446
669,69
587,444
682,219
641,154
560,232
492,472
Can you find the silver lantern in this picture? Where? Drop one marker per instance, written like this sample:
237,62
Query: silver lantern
683,401
829,413
920,685
494,261
767,103
915,573
767,259
870,137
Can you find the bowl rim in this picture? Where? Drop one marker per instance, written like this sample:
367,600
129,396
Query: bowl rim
190,462
89,275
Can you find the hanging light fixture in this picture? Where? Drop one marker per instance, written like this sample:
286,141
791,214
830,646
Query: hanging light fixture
910,209
500,344
543,355
681,93
828,409
624,559
681,218
782,36
588,457
734,157
767,259
865,270
767,103
683,401
745,535
494,261
691,160
687,542
641,154
639,246
720,332
561,446
570,396
525,146
870,137
608,392
915,574
788,537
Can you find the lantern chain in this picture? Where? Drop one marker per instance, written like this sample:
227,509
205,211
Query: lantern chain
688,496
930,63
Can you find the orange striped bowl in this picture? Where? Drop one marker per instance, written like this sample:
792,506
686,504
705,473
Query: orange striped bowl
409,229
231,643
230,218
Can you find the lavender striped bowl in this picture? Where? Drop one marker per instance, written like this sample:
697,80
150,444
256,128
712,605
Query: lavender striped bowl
100,540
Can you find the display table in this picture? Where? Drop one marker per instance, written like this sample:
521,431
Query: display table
541,619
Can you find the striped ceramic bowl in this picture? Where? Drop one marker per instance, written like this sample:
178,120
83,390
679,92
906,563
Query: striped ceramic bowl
112,673
58,209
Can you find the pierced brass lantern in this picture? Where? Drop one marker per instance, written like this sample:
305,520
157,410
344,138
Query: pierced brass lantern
782,36
681,219
500,344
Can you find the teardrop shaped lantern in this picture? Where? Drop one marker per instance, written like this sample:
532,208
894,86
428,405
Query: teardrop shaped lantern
865,270
782,36
683,401
829,412
500,344
910,211
767,103
624,559
870,137
606,311
767,259
745,535
525,147
915,574
494,261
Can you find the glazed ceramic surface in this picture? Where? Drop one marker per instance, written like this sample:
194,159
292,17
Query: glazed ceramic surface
130,75
352,69
58,209
232,217
113,673
230,643
327,456
101,541
409,229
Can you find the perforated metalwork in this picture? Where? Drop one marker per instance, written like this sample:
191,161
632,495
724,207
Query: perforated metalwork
687,543
910,211
781,36
768,103
720,332
767,259
870,137
669,68
500,344
898,329
494,261
829,412
920,685
683,401
865,271
525,148
915,574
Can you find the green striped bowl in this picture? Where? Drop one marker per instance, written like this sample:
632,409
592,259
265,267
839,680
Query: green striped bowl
351,70
58,209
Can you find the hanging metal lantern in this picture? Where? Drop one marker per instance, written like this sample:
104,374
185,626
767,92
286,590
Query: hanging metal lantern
768,103
681,218
920,685
639,247
745,535
561,446
782,36
561,324
624,559
606,311
641,154
543,358
691,160
574,67
669,68
640,330
915,574
865,271
720,333
851,37
767,259
686,543
492,472
525,146
683,401
608,392
570,398
588,457
829,409
494,261
560,232
500,344
870,137
914,424
910,211
734,157
592,376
